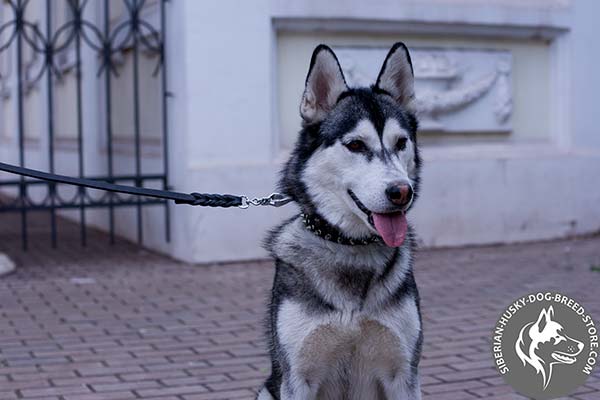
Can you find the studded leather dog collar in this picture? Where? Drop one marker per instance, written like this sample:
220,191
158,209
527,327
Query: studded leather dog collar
317,225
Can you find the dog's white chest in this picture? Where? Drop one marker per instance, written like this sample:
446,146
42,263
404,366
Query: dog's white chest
370,344
355,355
352,363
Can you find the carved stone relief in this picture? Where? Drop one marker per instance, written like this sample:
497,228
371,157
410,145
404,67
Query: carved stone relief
457,90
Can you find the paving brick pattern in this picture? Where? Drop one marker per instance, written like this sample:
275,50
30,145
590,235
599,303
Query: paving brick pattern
118,322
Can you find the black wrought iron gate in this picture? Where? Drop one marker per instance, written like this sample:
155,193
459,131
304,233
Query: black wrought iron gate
25,34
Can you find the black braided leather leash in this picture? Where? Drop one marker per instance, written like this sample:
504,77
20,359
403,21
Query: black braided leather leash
193,199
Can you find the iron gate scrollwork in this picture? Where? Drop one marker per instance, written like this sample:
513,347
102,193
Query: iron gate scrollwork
132,33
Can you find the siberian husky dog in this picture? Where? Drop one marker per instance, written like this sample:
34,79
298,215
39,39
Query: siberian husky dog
344,319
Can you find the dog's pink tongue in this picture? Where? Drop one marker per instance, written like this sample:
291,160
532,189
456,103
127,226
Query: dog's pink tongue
391,227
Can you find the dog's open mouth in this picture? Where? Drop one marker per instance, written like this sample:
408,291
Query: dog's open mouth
392,226
563,358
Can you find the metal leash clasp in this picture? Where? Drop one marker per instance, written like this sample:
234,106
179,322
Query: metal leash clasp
274,200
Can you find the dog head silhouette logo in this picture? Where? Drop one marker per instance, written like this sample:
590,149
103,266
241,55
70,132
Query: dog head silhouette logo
544,343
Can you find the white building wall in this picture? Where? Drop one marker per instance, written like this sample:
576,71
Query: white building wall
472,192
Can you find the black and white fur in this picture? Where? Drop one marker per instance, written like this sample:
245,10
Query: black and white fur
344,321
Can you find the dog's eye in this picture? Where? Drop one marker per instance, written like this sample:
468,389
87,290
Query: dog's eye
356,146
401,144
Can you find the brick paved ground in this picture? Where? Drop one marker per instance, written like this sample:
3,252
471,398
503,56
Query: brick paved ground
121,323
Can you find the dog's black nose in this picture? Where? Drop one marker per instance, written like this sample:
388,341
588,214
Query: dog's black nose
400,193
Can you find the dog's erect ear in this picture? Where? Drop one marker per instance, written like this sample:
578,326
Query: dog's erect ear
544,318
396,76
324,84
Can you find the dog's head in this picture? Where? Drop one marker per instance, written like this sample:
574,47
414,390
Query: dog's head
544,343
356,161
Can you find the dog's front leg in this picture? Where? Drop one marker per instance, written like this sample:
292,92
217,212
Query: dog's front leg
401,389
309,348
296,387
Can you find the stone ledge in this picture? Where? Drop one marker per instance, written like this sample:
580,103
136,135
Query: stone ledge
6,265
546,17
